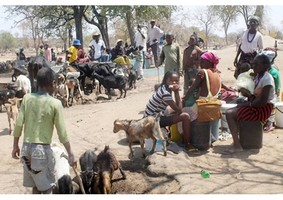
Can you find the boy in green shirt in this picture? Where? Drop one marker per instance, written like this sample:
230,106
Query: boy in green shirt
39,113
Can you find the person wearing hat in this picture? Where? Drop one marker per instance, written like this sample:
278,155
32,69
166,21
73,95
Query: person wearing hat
170,54
98,48
72,52
154,35
118,54
22,83
251,43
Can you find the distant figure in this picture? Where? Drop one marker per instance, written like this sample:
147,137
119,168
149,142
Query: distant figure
98,48
275,45
21,55
154,35
53,55
140,40
238,42
47,52
41,51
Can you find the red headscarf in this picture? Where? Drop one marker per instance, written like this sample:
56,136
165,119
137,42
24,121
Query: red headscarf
211,57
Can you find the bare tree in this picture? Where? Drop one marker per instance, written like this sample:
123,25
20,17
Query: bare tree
206,17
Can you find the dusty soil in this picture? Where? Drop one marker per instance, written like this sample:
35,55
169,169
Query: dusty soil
90,126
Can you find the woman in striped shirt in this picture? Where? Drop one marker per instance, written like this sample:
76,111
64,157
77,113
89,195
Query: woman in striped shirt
162,98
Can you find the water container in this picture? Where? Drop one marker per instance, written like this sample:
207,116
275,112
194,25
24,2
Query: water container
250,134
175,135
200,135
279,114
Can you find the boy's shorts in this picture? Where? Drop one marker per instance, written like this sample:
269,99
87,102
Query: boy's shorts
38,165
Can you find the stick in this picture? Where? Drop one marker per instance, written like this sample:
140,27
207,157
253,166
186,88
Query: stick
80,180
76,173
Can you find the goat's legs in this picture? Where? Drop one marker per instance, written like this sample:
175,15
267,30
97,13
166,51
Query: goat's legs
142,148
121,92
131,150
125,92
154,143
122,172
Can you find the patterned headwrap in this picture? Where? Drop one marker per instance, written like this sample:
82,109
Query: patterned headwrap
210,57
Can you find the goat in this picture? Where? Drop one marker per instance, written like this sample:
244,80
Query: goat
112,81
132,79
141,129
62,90
73,85
12,111
106,164
87,163
5,95
62,171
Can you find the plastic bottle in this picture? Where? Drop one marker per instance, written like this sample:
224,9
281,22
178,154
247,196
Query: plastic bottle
205,173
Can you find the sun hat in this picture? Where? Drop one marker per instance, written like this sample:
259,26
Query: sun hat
96,34
254,18
77,42
119,40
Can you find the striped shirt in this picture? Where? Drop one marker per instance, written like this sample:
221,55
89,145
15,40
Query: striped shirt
157,102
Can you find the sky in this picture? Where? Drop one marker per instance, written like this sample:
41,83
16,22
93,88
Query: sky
274,11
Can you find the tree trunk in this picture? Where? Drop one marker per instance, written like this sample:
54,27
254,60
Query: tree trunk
129,22
78,15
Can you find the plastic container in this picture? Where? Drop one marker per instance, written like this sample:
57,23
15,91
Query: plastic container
279,114
149,143
224,124
175,135
205,174
250,134
200,135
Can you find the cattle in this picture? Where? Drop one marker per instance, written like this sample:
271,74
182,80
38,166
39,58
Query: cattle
34,64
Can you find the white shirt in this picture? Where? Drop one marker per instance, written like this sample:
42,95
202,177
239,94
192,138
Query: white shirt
97,47
255,44
267,79
23,83
154,33
139,39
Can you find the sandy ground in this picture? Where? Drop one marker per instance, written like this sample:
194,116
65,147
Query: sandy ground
90,126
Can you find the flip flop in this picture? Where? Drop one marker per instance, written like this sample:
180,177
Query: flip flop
268,129
231,151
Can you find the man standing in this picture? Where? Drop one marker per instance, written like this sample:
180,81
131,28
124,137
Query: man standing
140,40
171,55
250,45
191,59
99,47
154,35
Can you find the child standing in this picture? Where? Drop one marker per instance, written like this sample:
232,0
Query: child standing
139,63
39,113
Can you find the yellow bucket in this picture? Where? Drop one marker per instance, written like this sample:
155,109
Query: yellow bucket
175,135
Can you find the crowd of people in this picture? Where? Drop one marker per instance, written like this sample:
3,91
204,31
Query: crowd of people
201,81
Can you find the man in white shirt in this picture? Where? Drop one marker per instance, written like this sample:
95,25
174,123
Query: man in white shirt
154,36
250,45
98,46
140,40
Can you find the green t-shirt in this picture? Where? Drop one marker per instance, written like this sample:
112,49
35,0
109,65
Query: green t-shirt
38,115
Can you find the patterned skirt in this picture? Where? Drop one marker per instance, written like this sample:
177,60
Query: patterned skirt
255,113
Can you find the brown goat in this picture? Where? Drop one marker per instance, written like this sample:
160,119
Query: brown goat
141,129
106,164
12,111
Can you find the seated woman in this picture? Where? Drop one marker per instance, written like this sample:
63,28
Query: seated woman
162,98
259,105
119,56
206,77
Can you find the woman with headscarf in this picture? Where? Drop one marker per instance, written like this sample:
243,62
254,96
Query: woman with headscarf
207,83
259,105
